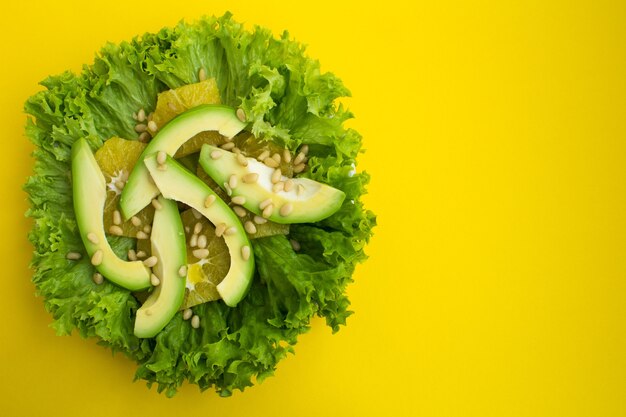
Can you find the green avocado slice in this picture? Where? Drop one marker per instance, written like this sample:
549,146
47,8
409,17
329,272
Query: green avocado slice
168,245
176,183
89,195
139,190
308,201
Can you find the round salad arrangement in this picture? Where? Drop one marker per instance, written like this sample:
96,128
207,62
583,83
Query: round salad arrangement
195,202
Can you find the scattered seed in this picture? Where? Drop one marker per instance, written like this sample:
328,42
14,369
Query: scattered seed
195,322
97,257
300,189
286,156
245,252
187,229
117,217
202,74
270,162
250,178
156,204
304,149
250,227
97,278
276,175
259,220
216,154
151,261
134,115
232,181
196,214
219,230
299,158
141,254
263,155
299,168
93,238
276,157
239,199
150,116
210,199
140,128
161,157
200,253
73,256
278,187
267,211
152,126
116,230
295,244
240,211
193,242
243,161
141,235
265,203
202,242
229,191
241,115
132,256
289,185
144,137
230,231
154,280
148,312
228,146
162,167
286,209
119,185
141,115
147,228
172,106
187,313
197,228
182,271
135,221
236,150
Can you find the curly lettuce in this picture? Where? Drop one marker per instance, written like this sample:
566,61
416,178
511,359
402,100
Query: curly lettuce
290,102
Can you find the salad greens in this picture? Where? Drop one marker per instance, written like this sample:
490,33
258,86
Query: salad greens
290,102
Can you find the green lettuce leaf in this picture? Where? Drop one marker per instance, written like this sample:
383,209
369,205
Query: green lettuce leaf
288,101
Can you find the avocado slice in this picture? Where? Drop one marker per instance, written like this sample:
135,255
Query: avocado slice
139,190
89,194
176,183
168,245
307,201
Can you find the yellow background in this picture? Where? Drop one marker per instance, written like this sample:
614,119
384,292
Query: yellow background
496,284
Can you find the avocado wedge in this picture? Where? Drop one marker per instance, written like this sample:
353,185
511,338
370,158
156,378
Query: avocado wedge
306,201
89,195
168,246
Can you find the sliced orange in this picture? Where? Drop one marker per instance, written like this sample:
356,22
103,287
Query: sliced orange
203,275
116,159
173,102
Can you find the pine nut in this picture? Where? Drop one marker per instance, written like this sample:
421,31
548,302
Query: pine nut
97,257
93,238
239,199
151,261
245,252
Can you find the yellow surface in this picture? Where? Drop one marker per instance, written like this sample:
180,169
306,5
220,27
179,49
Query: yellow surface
495,137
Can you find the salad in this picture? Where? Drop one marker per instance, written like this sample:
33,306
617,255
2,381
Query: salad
196,202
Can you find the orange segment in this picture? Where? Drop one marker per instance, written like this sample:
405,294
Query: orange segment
203,275
171,103
116,159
